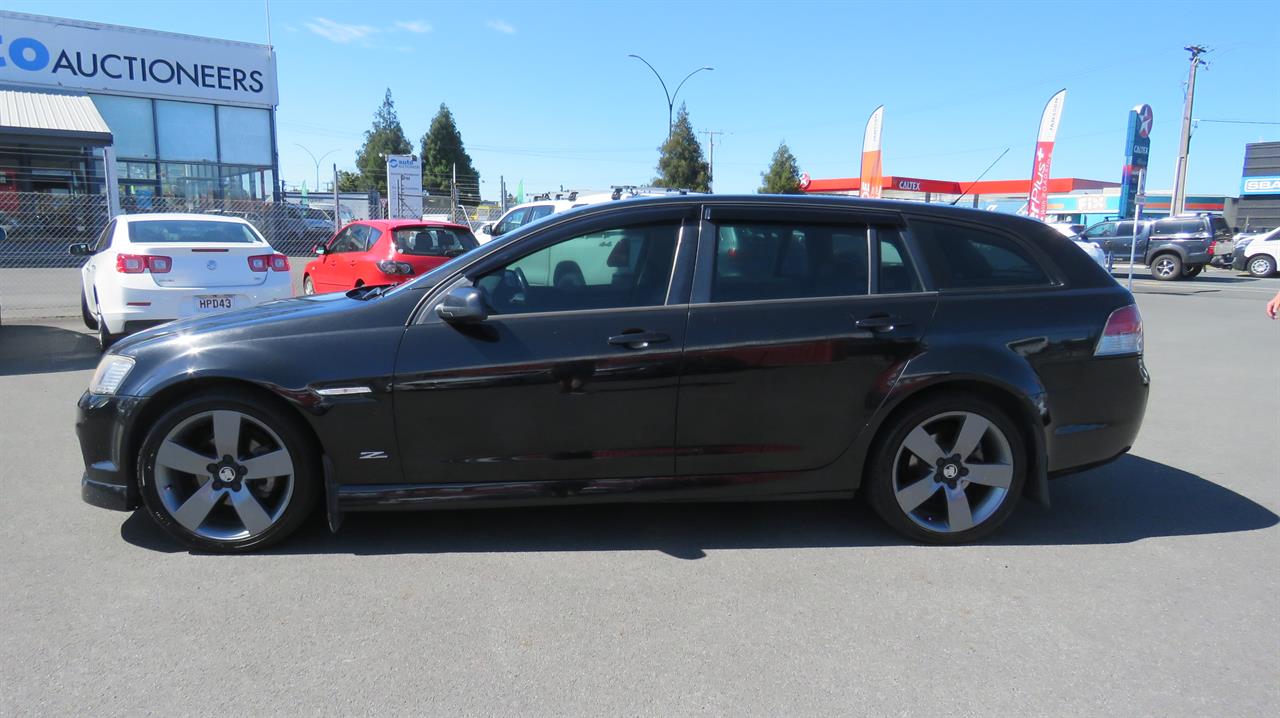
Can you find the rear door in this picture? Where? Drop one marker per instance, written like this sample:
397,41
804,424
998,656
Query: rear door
792,342
364,262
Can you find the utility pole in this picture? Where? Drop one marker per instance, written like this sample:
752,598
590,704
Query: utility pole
711,155
1179,200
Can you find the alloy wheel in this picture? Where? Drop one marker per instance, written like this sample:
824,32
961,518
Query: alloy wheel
224,475
1164,267
1260,267
952,472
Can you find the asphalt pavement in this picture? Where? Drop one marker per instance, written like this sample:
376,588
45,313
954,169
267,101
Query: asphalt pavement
1149,587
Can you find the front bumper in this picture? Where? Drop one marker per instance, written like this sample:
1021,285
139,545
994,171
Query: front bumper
1238,262
102,424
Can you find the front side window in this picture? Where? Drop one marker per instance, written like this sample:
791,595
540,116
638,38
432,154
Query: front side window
512,220
759,260
616,268
969,257
433,241
189,230
1098,231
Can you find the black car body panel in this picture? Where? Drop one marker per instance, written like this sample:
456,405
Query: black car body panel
723,400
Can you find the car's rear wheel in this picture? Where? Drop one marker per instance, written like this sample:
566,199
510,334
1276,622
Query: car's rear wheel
1166,267
90,320
225,472
1262,265
1192,271
105,337
307,286
948,471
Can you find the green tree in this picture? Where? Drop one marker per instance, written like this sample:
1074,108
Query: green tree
783,176
386,137
441,149
349,182
680,162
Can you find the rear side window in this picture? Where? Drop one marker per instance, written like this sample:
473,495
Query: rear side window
104,239
1178,226
897,274
536,213
965,257
788,261
157,231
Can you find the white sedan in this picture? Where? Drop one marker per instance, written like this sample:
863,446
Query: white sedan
147,269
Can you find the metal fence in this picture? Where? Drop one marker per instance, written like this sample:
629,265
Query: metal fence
39,278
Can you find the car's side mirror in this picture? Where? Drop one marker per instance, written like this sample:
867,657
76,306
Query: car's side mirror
463,305
320,249
80,249
487,229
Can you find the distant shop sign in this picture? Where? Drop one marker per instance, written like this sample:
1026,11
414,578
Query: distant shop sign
1260,185
54,52
909,185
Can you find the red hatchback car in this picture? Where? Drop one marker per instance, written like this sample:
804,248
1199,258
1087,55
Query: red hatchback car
383,251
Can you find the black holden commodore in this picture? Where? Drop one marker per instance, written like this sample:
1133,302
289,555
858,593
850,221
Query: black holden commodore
945,361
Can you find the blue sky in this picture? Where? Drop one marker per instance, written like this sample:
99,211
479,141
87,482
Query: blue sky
544,91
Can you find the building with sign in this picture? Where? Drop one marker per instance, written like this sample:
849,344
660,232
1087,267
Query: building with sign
86,108
1259,206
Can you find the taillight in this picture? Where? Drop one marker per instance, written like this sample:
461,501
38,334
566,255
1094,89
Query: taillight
389,266
1123,333
139,263
263,262
1211,243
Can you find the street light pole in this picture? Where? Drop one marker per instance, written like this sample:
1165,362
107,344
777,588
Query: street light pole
317,161
671,96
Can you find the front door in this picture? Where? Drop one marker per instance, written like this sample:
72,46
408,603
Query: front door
339,262
792,341
574,375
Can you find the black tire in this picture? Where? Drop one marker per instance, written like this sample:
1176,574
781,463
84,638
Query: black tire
90,321
1192,271
1166,267
307,475
105,337
888,450
1261,265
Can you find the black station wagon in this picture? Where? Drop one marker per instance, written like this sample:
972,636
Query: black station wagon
944,362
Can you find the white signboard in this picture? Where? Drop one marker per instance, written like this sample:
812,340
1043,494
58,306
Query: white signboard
53,52
404,187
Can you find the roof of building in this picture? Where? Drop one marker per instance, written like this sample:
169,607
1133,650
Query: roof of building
47,117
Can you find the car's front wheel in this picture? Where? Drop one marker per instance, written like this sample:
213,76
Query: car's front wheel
308,287
949,470
1262,265
227,472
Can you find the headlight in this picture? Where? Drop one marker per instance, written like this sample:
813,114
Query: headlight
110,374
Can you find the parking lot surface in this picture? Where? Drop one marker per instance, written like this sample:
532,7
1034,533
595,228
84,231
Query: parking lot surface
1149,587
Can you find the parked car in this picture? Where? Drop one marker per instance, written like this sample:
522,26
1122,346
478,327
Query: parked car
389,251
1072,232
147,269
1173,247
844,345
1258,254
523,214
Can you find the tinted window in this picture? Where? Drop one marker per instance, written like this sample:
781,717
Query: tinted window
1125,229
625,267
1106,229
371,237
348,240
189,230
897,274
785,261
433,241
1178,226
104,239
963,257
539,212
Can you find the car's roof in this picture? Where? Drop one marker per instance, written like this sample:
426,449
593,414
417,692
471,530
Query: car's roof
393,224
187,216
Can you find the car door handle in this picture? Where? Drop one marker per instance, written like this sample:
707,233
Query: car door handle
881,323
638,340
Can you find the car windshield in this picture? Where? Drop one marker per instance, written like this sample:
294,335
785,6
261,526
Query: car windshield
157,231
429,241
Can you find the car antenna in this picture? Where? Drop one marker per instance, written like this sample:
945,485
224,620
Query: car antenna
984,174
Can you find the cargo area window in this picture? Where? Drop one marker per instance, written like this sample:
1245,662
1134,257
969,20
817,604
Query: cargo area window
968,257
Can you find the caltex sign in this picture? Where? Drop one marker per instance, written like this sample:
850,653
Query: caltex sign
1137,150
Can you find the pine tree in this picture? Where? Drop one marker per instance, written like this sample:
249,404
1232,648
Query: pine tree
386,137
680,164
783,176
441,149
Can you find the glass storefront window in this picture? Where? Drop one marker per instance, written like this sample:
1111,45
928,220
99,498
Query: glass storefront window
186,131
188,183
131,124
245,135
